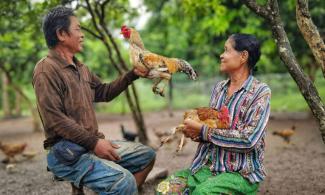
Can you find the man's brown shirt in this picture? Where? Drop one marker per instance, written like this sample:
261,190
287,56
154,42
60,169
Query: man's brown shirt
65,94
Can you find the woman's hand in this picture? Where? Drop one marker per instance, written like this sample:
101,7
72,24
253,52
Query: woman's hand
192,129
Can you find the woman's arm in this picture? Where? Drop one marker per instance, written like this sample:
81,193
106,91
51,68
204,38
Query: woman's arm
247,135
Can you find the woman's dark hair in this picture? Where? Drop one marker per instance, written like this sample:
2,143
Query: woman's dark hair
56,19
249,43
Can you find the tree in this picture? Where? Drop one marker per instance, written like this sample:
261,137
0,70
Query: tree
18,53
271,13
310,33
101,28
5,97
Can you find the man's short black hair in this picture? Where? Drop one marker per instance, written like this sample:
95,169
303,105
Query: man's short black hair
57,19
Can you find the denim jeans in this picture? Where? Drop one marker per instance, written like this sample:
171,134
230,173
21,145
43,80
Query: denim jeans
104,176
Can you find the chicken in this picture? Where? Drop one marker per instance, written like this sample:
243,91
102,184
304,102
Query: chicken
160,68
11,150
127,135
286,133
204,115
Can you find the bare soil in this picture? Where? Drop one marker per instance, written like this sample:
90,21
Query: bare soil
296,168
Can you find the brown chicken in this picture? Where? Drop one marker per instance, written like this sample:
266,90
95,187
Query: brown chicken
160,68
286,133
204,115
11,150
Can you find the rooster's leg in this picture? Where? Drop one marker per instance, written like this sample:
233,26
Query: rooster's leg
163,87
181,143
155,88
165,77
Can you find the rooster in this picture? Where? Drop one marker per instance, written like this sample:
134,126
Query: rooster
11,150
286,133
205,115
159,68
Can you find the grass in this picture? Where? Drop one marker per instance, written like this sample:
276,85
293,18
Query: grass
286,96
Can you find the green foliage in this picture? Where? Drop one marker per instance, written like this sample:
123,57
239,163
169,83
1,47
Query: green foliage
189,29
196,30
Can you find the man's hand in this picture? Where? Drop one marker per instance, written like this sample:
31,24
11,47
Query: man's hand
192,129
106,150
141,72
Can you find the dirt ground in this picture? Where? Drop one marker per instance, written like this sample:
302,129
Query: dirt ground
298,168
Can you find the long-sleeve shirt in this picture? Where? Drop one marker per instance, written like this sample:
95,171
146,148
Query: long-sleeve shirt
241,147
65,94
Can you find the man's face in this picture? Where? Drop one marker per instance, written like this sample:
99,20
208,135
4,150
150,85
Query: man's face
74,40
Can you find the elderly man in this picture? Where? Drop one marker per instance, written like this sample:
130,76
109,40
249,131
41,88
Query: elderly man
65,91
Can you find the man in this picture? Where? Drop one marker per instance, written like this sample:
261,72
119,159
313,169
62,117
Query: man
65,90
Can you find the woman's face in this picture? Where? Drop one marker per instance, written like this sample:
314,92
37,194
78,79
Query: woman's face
231,60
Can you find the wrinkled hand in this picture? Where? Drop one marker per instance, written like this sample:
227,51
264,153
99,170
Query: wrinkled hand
106,150
192,129
141,72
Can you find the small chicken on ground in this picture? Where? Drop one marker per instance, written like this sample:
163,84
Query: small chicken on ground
286,134
11,150
128,135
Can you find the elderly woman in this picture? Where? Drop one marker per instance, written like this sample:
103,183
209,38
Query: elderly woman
229,161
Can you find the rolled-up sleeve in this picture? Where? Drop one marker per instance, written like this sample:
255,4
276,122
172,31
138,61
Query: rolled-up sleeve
49,95
247,135
105,92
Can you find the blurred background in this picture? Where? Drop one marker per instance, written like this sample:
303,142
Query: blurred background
195,31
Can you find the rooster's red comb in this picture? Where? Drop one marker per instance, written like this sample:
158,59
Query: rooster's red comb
124,27
224,110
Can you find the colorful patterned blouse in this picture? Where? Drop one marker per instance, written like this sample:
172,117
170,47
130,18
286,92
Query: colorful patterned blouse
240,148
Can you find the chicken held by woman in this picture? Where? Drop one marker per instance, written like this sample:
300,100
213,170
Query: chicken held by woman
205,115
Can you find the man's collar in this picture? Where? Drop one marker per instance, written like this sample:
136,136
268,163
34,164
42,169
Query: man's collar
62,62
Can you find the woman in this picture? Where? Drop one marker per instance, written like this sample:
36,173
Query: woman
229,161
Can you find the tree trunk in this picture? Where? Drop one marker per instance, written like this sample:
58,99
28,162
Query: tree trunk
5,96
97,12
170,98
310,33
17,104
272,15
33,110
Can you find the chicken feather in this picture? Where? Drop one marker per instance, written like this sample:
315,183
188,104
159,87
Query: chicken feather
204,115
160,68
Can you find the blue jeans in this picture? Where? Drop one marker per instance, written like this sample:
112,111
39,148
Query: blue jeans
104,176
